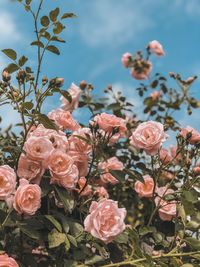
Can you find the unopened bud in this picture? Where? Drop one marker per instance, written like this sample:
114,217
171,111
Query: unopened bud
44,80
83,84
6,76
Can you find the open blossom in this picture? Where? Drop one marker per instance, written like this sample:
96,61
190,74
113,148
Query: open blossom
145,189
148,136
64,119
6,261
165,157
155,95
63,170
27,199
30,169
79,142
57,138
126,59
101,192
156,48
195,135
167,209
81,162
75,93
82,183
38,148
7,182
109,165
141,69
106,220
109,122
196,169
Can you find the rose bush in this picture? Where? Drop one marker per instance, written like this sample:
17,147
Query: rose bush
113,191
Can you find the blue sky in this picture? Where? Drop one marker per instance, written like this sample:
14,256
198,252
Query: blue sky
103,31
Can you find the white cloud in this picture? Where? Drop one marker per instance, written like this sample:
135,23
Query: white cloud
112,22
8,28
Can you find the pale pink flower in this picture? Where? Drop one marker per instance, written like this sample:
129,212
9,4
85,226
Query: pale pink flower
141,70
156,48
30,169
82,183
6,261
38,148
145,189
101,192
63,119
106,220
148,136
109,122
167,209
195,135
107,166
75,93
126,59
7,182
196,169
27,199
79,141
165,157
57,138
63,170
81,161
167,175
155,95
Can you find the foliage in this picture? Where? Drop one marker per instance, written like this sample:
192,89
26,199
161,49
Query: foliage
55,234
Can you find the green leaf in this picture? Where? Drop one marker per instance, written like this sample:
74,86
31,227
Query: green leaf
38,43
12,67
57,39
72,240
53,49
76,229
28,2
56,239
66,95
10,53
193,242
29,231
191,196
28,105
68,15
59,27
120,175
54,222
67,244
94,260
45,21
22,61
65,198
54,14
47,123
114,106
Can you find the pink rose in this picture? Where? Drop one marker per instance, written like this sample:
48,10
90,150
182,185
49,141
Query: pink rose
62,169
79,141
145,189
75,93
141,69
167,175
81,162
7,182
30,169
109,122
167,210
165,157
155,95
195,135
107,166
87,191
126,59
38,148
196,169
156,48
27,198
148,136
106,220
6,261
101,192
63,119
